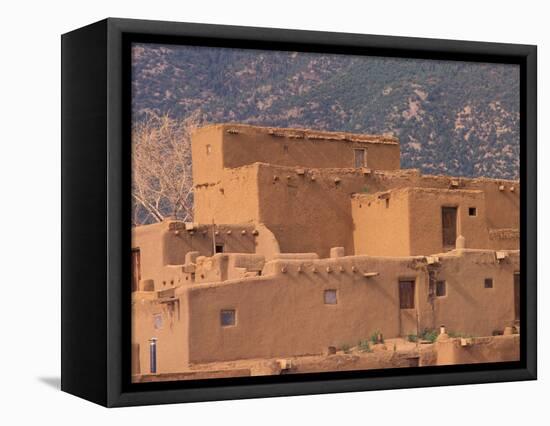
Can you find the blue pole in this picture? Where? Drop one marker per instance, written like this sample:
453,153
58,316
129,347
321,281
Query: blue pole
153,355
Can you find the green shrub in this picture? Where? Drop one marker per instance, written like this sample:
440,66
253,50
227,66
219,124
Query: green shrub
374,337
346,348
430,335
412,338
364,346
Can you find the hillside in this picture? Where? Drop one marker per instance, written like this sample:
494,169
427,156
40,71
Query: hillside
451,117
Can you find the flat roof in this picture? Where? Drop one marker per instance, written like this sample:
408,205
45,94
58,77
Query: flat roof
302,133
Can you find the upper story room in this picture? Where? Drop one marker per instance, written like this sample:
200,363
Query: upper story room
220,146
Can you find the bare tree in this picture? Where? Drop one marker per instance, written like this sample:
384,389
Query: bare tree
162,184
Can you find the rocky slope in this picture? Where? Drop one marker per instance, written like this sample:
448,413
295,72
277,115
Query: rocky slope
451,117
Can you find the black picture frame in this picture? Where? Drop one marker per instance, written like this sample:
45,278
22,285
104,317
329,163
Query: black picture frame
96,206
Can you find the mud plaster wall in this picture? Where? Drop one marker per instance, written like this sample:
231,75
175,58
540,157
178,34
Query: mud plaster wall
168,322
167,243
234,199
382,225
249,146
232,146
309,215
284,314
469,307
497,348
207,155
425,205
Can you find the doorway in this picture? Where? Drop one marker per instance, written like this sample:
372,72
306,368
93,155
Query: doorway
136,269
407,311
448,221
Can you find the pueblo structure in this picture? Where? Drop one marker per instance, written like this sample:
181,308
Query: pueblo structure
306,242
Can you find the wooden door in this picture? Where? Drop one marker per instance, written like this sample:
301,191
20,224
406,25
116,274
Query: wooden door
407,311
448,221
136,269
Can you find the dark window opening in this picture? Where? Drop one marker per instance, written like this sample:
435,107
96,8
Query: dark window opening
219,248
406,294
360,158
488,283
227,317
472,211
440,288
285,149
448,219
331,297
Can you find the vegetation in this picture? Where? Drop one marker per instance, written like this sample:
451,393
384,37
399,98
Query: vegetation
429,335
377,337
346,348
364,346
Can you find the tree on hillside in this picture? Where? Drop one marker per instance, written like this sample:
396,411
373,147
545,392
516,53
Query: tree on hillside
162,184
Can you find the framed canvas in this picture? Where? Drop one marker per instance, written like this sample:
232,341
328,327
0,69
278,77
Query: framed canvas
254,212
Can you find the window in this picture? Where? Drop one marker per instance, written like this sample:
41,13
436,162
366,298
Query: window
472,211
440,288
208,149
227,317
331,297
285,149
219,248
157,321
406,294
360,158
488,283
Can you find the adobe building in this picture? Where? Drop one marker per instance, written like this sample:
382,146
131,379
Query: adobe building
304,240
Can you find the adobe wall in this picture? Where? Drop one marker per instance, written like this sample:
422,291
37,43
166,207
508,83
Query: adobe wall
408,221
231,199
207,155
283,313
236,145
382,225
168,322
312,212
164,245
469,307
479,350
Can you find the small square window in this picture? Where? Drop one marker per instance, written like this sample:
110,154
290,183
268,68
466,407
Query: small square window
219,248
227,317
331,297
440,288
488,283
157,321
472,211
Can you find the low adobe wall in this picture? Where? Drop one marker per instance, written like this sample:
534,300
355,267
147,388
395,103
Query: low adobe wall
478,350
